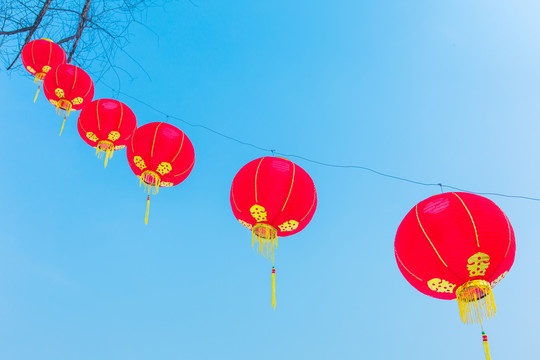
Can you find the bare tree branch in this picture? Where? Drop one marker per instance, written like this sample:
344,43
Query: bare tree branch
33,29
12,32
80,29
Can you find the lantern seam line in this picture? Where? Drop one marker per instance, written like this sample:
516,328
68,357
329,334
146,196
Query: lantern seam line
410,272
181,145
472,220
189,167
232,196
312,204
509,234
290,189
50,54
256,174
153,143
97,115
427,237
74,80
121,116
32,52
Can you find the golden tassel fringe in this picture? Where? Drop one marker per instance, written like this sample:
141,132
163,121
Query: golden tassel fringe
147,210
486,345
267,238
476,302
151,182
106,147
273,287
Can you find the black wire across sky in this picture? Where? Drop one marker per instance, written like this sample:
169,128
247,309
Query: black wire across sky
316,162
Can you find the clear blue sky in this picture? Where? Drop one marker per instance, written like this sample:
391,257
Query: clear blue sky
435,91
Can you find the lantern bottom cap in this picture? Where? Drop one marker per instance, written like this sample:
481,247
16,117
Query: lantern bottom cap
476,302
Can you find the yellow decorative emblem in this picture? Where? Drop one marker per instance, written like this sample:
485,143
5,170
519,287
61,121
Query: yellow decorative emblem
54,102
77,101
139,162
90,135
59,93
164,168
258,212
441,286
166,184
249,226
113,135
498,280
29,68
46,69
478,264
119,147
289,225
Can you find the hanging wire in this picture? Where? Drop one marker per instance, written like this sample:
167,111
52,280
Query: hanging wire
331,165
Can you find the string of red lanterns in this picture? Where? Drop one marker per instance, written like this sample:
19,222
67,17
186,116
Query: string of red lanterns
449,246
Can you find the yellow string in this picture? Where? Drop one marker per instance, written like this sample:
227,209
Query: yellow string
147,210
37,93
63,123
273,287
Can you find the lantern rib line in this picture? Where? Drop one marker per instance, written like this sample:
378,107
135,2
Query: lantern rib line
427,237
50,54
154,141
257,174
97,115
290,189
312,204
181,144
509,233
234,201
74,80
32,52
189,167
121,116
409,271
472,220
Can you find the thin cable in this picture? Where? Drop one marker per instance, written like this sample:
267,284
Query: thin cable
274,152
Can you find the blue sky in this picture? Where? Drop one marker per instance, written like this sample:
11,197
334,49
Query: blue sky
435,91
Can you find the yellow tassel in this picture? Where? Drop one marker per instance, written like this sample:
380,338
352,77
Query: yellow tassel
63,123
273,287
147,210
476,302
486,346
267,238
37,93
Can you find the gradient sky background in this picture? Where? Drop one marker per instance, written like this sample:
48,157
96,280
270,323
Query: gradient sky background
436,91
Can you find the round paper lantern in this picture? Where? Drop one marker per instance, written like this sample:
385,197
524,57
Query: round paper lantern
39,57
161,155
68,87
107,125
456,246
272,197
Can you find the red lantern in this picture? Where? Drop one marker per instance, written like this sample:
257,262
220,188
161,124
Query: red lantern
40,56
161,155
457,246
272,197
68,87
107,125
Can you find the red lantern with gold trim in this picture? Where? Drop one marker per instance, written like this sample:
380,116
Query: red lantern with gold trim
457,246
161,155
273,197
68,87
107,125
39,57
